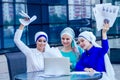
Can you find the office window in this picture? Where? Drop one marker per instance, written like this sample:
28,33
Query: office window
54,2
8,21
18,9
10,13
117,23
52,17
57,21
80,14
57,14
79,9
21,0
7,0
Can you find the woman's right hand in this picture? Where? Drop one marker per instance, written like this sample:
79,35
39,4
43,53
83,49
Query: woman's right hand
89,70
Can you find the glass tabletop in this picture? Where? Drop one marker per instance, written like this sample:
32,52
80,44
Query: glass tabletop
73,76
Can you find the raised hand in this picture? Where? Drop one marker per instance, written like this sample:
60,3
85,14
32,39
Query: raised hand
104,30
105,27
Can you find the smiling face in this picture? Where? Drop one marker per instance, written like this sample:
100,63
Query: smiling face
84,43
41,43
66,40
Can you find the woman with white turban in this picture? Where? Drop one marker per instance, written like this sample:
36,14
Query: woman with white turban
35,56
70,49
95,57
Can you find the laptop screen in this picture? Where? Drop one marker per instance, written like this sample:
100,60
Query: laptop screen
57,66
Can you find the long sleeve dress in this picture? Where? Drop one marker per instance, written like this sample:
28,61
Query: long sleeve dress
35,58
94,58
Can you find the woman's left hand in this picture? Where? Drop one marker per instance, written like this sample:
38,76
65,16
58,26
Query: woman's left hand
105,27
104,30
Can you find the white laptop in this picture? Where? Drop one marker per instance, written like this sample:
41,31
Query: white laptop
57,66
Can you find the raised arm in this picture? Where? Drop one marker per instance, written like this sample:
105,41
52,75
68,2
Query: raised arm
21,27
17,39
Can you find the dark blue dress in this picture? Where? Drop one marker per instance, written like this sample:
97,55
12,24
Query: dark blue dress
93,58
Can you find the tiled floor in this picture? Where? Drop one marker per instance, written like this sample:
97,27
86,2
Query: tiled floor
117,70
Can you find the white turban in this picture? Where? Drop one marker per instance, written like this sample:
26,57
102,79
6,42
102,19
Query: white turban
90,37
69,31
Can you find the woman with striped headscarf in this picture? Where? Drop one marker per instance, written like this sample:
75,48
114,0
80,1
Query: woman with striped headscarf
35,56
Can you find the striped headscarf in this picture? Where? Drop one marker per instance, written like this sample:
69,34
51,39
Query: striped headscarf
42,34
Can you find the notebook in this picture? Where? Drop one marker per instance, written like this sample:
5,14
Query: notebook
57,66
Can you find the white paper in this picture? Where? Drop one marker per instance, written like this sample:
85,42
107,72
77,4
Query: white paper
82,72
105,11
104,4
98,19
25,15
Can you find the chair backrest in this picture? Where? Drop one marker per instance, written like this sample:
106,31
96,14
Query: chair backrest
16,63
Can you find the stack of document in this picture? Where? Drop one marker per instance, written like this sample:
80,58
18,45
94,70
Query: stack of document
105,13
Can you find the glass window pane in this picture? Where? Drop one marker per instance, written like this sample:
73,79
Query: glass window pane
116,27
35,9
8,21
21,0
7,0
54,30
80,2
54,2
74,12
57,14
118,4
36,2
78,12
44,11
118,18
8,32
19,8
31,33
8,14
